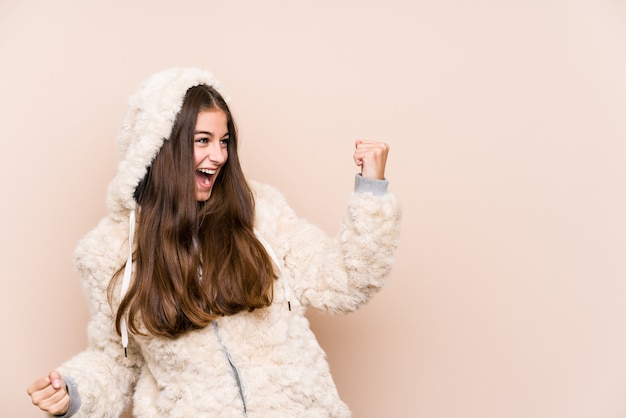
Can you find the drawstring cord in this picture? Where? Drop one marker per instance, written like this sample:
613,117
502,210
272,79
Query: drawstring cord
272,255
127,275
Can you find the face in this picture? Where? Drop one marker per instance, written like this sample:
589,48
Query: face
210,149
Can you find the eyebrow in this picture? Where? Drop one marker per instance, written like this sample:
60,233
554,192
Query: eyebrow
209,133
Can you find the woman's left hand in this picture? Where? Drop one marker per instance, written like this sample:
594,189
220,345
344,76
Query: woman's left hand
371,156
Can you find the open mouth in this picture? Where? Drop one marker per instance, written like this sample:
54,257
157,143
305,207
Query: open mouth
205,176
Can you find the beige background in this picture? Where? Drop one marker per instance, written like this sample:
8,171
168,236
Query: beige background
507,121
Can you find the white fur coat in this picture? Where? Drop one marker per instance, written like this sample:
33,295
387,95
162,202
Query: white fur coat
281,368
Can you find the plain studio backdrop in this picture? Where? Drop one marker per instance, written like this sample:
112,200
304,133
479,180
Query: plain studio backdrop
507,125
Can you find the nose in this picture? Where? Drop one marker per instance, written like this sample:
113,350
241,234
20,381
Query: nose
216,153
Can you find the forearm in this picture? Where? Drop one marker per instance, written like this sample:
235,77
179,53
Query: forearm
339,275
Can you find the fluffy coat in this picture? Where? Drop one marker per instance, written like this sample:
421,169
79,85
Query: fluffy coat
265,363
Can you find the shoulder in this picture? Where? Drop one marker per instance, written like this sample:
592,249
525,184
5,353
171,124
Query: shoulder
266,193
271,208
110,231
102,249
268,198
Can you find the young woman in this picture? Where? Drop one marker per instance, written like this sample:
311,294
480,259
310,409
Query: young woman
198,281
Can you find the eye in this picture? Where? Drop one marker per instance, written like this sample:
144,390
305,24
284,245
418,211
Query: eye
225,141
201,140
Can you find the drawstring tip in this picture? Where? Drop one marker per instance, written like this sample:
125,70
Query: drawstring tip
289,304
125,353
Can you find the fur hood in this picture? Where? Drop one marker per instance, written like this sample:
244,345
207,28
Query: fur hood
148,123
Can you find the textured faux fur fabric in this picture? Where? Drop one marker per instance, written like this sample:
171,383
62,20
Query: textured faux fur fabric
265,363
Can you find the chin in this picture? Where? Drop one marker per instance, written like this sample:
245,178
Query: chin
203,197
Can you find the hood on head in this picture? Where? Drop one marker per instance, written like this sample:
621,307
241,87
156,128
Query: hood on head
148,123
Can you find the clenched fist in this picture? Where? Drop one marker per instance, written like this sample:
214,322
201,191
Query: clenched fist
49,393
371,156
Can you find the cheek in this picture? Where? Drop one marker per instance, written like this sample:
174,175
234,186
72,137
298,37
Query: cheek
197,157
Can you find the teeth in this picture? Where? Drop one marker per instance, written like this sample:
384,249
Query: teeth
206,171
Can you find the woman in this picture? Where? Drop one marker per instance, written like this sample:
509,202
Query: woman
203,315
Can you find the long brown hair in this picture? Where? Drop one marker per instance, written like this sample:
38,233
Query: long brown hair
178,237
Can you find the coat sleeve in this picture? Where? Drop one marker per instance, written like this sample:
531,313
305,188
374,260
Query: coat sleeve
340,274
103,377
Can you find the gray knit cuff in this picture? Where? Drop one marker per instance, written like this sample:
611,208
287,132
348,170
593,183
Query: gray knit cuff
72,390
374,186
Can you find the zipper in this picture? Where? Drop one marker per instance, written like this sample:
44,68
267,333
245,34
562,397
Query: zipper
233,367
272,255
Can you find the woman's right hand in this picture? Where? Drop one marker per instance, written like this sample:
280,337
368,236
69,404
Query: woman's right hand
50,394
